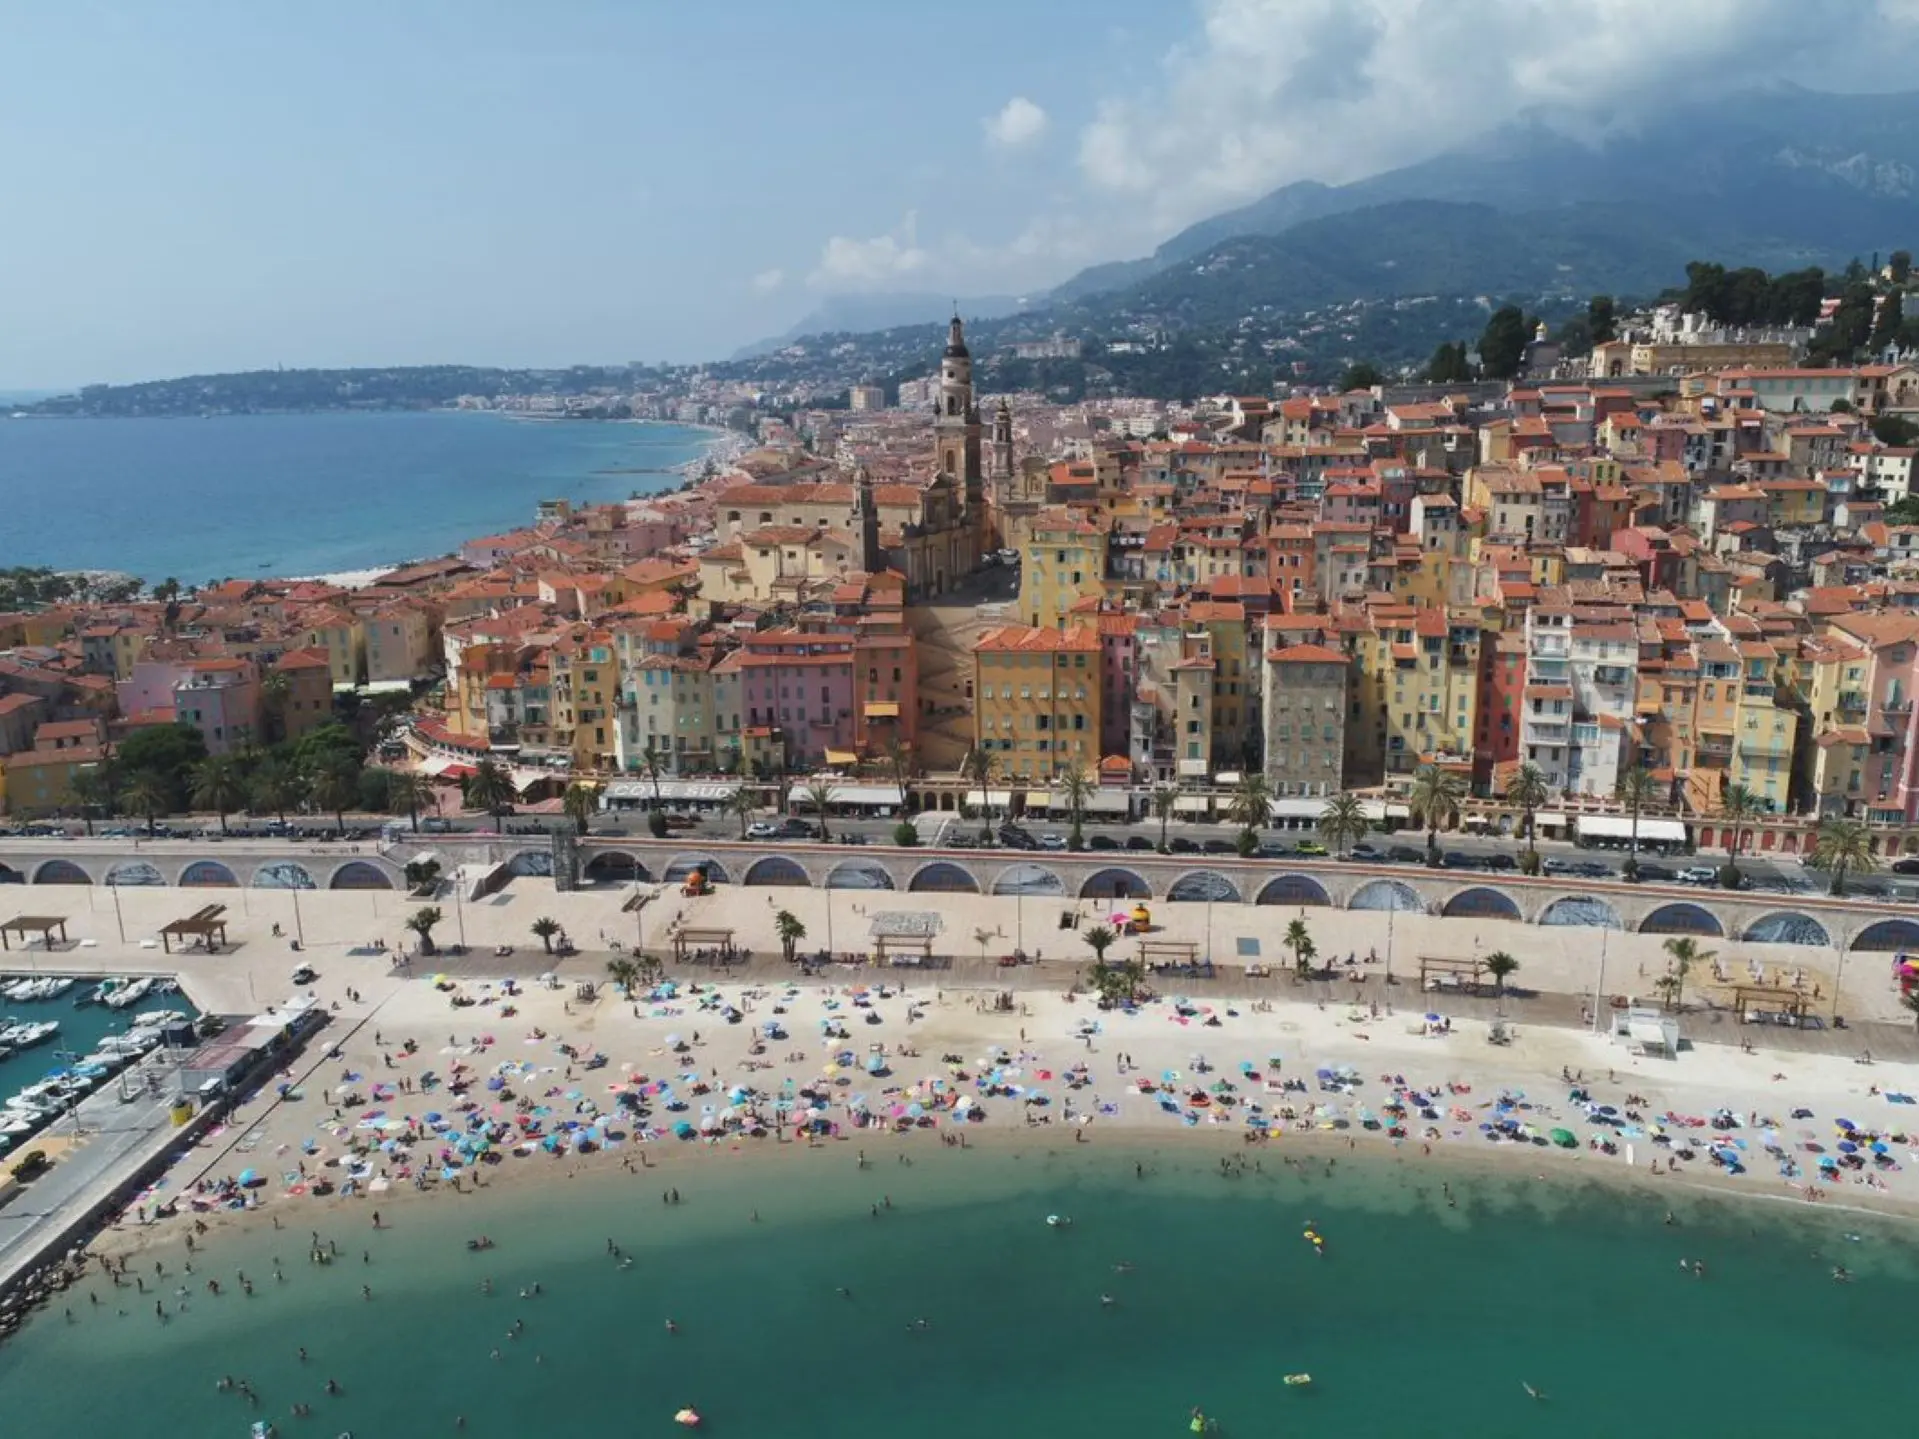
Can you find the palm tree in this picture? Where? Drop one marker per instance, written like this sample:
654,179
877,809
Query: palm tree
1500,965
1527,792
1250,808
821,791
273,704
743,804
1165,801
216,785
92,790
578,805
791,931
490,788
1344,822
979,766
276,785
623,972
409,791
650,757
1434,801
421,922
544,928
146,795
1738,807
1300,941
1099,939
1842,847
1682,954
1077,787
335,785
899,760
1637,789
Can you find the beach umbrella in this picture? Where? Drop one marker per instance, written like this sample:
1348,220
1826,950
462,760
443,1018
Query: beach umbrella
1564,1138
1846,1124
1846,1146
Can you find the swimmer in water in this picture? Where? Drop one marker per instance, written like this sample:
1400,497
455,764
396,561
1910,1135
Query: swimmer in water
1107,1301
1125,1266
671,1327
1531,1393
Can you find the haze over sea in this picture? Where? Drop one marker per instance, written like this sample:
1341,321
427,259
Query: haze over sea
1419,1319
239,495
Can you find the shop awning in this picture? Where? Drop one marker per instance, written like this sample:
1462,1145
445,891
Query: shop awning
1378,809
1106,801
1191,804
1550,821
843,757
1040,799
883,796
1613,826
883,709
672,791
458,771
995,798
1296,808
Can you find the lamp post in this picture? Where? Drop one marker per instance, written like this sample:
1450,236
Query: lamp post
1839,982
119,921
299,928
1599,984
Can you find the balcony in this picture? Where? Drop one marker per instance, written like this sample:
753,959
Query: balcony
1894,707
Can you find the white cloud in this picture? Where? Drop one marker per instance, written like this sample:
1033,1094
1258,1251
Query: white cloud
767,281
873,264
1270,91
1018,122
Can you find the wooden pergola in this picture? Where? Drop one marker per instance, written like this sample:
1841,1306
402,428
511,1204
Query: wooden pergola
1465,971
25,925
885,946
689,939
1167,951
1748,999
205,924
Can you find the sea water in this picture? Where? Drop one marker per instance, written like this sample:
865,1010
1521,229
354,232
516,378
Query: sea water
81,1029
1417,1318
237,496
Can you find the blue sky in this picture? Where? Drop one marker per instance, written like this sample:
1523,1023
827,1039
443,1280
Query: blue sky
194,186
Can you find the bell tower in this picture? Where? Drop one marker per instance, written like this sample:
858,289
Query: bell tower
956,431
1002,442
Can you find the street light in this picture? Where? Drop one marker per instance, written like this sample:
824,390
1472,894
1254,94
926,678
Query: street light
118,920
1599,984
299,928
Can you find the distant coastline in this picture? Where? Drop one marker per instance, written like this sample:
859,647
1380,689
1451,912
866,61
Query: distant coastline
322,493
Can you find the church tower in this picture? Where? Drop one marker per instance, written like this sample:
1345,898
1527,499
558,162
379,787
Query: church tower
1002,442
956,432
866,522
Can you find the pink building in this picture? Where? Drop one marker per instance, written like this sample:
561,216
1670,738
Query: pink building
801,684
218,697
1119,648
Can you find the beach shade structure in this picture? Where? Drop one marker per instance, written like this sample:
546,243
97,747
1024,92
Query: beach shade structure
1564,1138
1846,1146
682,1130
1846,1125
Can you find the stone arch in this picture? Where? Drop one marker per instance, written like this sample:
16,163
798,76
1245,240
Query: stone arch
61,871
614,866
1581,909
1387,894
282,874
10,875
1029,879
1479,902
942,876
682,865
1293,889
130,873
1888,936
1683,918
776,869
859,874
1203,886
207,874
1115,884
358,874
1786,927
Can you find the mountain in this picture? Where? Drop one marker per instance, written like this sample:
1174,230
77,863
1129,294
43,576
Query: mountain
1781,171
860,314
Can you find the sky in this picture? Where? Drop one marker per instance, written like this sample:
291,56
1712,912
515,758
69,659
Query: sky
209,185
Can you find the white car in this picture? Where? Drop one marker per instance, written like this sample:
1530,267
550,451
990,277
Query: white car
1052,841
1699,874
762,829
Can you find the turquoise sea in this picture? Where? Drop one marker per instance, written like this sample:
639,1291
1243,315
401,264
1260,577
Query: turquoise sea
1419,1319
81,1030
239,495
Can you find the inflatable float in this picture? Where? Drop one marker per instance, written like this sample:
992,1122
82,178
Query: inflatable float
688,1418
1298,1381
1060,1221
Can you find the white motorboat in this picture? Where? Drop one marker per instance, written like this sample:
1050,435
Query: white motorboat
58,985
129,994
35,1032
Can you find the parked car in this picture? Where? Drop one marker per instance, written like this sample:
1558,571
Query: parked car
762,829
432,824
1101,841
682,821
1220,846
1905,866
1456,859
1406,854
1365,852
1138,842
1182,845
1052,841
1501,862
1311,848
1699,874
1274,851
1655,874
305,974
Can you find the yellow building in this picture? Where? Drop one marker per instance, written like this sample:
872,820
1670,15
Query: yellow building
343,638
586,684
402,642
1234,683
1064,561
1036,699
1417,690
1763,741
40,781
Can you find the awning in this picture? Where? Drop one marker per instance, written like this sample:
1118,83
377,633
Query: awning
1612,826
1378,809
1192,769
884,796
883,709
524,780
1550,821
1191,804
844,757
1040,799
1227,778
1106,801
993,798
1648,1033
672,791
1296,808
458,771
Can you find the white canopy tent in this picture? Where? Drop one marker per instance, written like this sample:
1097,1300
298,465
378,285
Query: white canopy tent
1619,826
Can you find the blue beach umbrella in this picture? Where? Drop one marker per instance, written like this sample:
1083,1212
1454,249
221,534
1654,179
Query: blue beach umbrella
1846,1146
1846,1124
